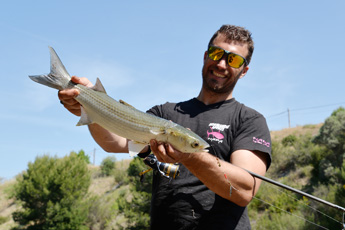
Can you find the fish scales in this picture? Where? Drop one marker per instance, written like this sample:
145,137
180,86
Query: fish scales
124,120
121,118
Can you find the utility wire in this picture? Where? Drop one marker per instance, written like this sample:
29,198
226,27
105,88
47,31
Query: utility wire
316,107
307,108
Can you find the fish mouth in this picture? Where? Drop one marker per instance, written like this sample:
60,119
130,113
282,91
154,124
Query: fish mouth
205,149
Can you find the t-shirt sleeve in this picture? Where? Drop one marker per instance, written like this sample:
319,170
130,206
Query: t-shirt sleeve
156,110
253,134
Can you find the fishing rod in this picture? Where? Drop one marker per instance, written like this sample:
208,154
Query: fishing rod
296,191
299,192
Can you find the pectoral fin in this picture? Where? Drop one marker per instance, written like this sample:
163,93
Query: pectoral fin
84,118
158,131
135,147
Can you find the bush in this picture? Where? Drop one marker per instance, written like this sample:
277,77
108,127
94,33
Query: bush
136,210
289,140
51,193
108,166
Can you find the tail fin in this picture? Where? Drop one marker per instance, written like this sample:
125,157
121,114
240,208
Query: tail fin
58,78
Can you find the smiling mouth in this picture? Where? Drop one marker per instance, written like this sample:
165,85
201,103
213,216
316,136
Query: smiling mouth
218,74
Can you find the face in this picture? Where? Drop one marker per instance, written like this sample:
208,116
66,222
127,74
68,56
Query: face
218,76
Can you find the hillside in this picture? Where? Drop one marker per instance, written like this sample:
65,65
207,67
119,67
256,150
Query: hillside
297,131
103,186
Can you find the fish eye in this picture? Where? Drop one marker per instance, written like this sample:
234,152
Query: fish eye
195,144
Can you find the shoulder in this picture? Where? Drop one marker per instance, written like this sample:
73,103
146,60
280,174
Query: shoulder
246,114
166,109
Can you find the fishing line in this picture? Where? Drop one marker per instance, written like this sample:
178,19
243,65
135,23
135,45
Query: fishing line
301,202
290,213
290,189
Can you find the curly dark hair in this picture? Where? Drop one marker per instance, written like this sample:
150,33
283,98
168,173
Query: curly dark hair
236,33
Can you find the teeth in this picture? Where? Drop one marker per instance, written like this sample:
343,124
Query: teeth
218,74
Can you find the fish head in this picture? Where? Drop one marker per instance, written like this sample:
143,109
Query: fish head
184,140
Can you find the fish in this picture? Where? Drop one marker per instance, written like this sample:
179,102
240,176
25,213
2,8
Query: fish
118,116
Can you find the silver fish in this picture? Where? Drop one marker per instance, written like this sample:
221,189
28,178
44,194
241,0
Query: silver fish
118,116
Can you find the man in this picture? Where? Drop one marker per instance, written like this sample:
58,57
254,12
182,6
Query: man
212,190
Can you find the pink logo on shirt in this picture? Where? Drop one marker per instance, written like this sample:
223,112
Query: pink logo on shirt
261,142
215,133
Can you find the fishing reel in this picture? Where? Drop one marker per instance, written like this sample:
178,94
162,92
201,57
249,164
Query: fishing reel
167,170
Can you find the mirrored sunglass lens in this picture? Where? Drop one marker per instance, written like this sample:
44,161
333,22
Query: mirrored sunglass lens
235,60
215,53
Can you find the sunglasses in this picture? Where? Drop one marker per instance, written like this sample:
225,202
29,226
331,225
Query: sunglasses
234,60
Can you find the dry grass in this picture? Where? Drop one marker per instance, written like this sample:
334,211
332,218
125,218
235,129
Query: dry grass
297,131
101,185
7,206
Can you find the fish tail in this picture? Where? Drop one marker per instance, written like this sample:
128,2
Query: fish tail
58,78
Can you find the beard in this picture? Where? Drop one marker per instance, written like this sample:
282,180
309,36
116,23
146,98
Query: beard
215,87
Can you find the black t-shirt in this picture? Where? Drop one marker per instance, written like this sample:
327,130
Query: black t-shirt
185,202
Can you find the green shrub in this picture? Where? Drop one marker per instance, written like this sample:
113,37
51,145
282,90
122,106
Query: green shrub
289,140
137,209
51,192
108,166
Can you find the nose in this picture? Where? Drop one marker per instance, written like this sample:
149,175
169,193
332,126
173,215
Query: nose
222,63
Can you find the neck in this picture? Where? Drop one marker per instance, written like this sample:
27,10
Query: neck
209,98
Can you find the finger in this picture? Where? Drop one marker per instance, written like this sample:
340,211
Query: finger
67,94
172,153
160,151
81,80
154,148
71,104
162,148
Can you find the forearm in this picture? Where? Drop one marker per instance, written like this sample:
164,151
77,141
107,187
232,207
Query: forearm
109,141
223,178
228,180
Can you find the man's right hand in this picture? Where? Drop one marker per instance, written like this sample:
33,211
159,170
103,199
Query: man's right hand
67,96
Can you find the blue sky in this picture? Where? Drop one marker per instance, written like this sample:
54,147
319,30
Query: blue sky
150,52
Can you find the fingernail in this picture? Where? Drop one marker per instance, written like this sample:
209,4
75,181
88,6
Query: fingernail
152,143
76,93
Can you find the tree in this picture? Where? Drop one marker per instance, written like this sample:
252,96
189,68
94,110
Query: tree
332,135
81,154
51,193
108,165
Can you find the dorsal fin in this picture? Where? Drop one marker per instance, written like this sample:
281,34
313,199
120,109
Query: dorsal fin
98,86
125,103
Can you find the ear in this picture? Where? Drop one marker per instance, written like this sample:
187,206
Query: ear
205,56
244,71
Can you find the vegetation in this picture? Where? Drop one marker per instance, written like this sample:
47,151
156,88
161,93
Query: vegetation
314,164
66,193
51,194
108,166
